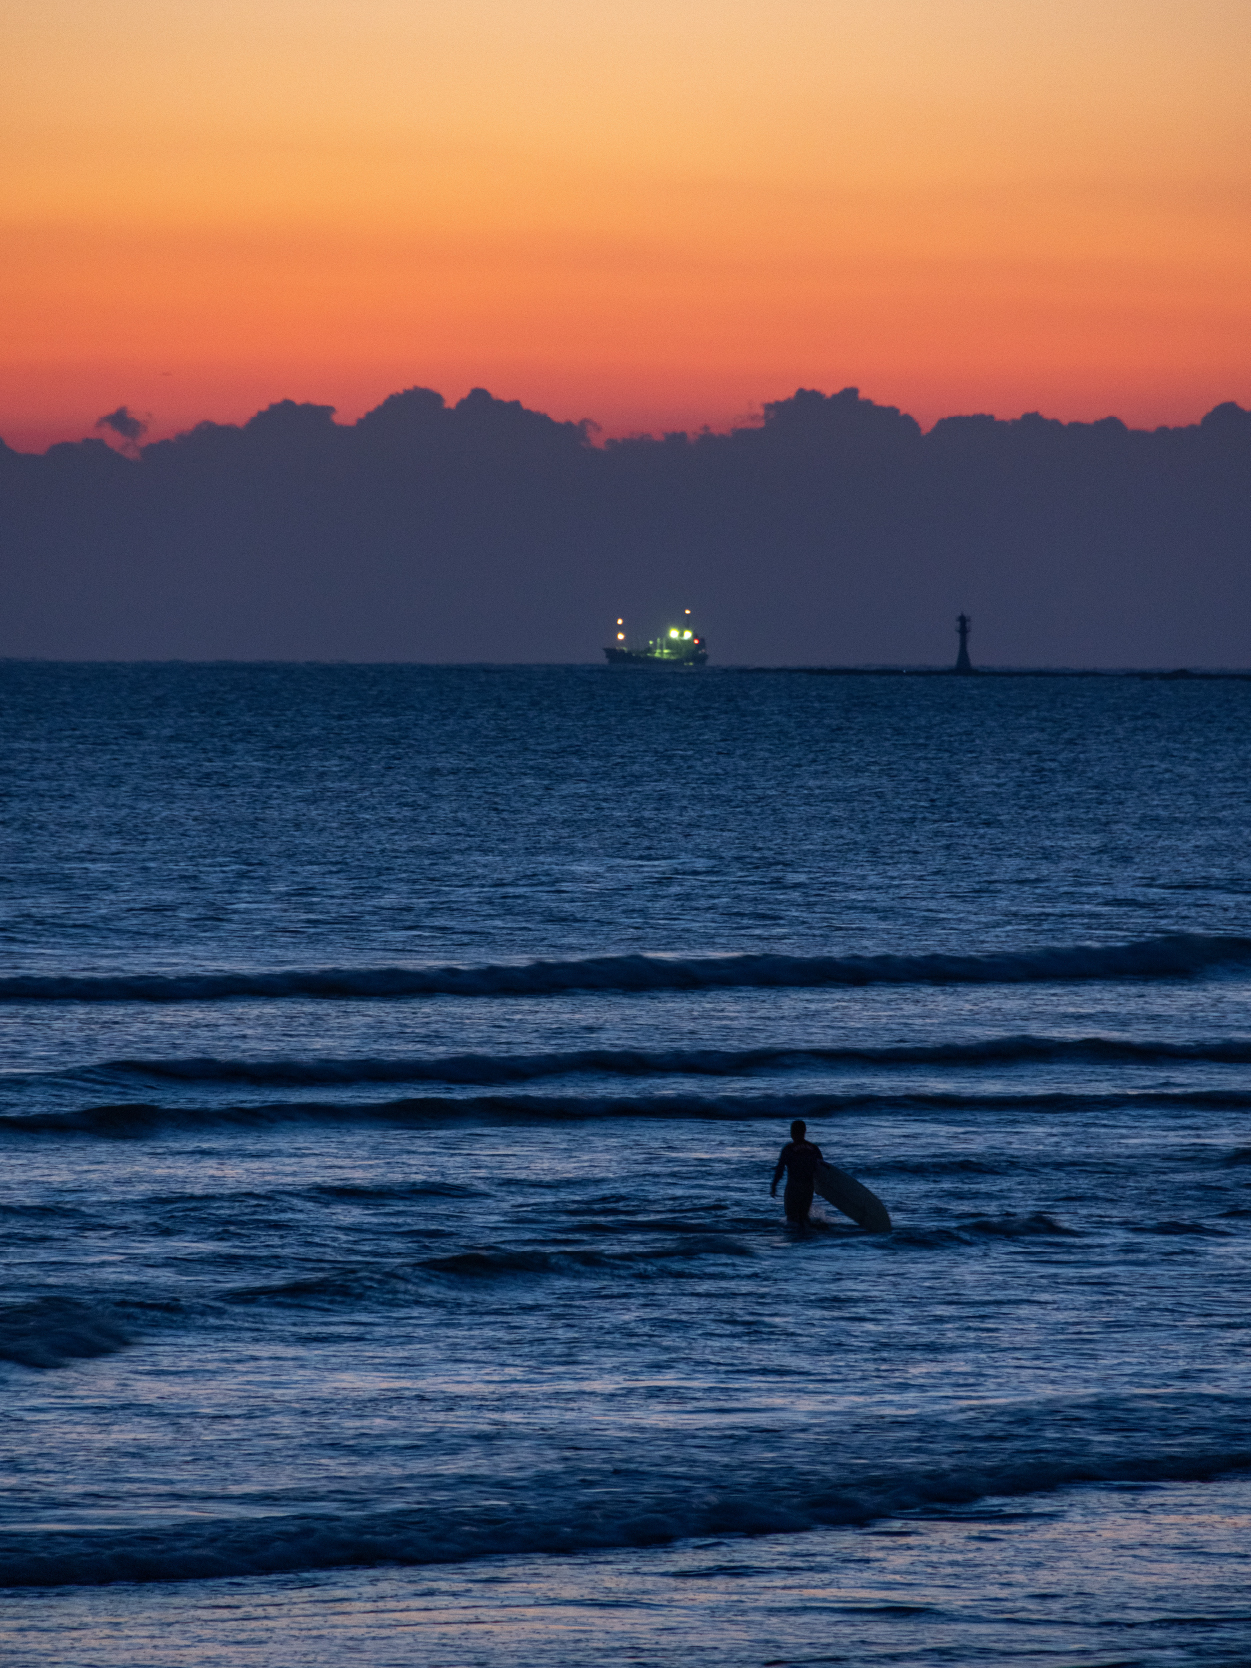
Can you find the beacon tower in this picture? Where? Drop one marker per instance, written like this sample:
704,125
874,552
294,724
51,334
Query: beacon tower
963,663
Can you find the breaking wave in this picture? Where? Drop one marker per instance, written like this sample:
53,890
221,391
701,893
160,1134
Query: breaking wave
134,1119
483,1069
1176,955
403,1284
53,1331
1019,1227
659,1497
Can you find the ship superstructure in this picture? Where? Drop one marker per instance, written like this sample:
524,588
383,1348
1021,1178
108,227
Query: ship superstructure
677,645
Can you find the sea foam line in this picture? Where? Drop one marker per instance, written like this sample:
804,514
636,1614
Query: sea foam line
1176,955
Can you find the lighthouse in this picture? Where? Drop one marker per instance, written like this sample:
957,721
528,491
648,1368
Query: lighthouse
963,664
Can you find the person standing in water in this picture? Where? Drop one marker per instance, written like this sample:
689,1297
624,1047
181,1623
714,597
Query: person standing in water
799,1160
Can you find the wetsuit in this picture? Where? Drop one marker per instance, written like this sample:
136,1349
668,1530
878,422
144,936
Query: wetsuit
800,1160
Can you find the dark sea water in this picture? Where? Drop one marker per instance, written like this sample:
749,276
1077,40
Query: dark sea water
394,1063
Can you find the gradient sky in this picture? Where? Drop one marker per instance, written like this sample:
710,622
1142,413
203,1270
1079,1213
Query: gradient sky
656,213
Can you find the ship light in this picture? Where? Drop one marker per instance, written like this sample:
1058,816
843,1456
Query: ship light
686,634
621,637
674,632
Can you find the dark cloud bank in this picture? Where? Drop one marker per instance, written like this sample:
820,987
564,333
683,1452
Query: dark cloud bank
835,532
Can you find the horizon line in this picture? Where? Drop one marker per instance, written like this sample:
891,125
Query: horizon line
1179,674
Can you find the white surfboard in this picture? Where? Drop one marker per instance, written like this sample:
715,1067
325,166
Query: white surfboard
853,1198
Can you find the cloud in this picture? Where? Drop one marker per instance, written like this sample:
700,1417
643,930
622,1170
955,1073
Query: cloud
123,422
831,531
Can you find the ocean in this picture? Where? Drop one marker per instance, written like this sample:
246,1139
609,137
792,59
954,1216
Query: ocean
395,1060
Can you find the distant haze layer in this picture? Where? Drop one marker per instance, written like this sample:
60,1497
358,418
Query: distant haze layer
834,531
650,213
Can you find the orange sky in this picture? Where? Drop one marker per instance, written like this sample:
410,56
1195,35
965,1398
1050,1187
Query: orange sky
656,213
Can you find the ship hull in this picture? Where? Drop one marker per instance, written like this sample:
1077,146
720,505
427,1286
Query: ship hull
635,657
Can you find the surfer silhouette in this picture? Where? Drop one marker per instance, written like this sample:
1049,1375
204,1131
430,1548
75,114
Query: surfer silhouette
799,1159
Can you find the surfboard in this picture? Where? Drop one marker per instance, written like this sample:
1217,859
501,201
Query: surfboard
853,1198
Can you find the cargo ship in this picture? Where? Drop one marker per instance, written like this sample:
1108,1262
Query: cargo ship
675,646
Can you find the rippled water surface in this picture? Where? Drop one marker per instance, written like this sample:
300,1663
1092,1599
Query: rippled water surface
394,1062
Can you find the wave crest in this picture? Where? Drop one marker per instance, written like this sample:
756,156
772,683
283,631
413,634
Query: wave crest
53,1331
485,1069
664,1496
1171,956
137,1120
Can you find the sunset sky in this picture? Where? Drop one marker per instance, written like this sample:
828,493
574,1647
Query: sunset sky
656,213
